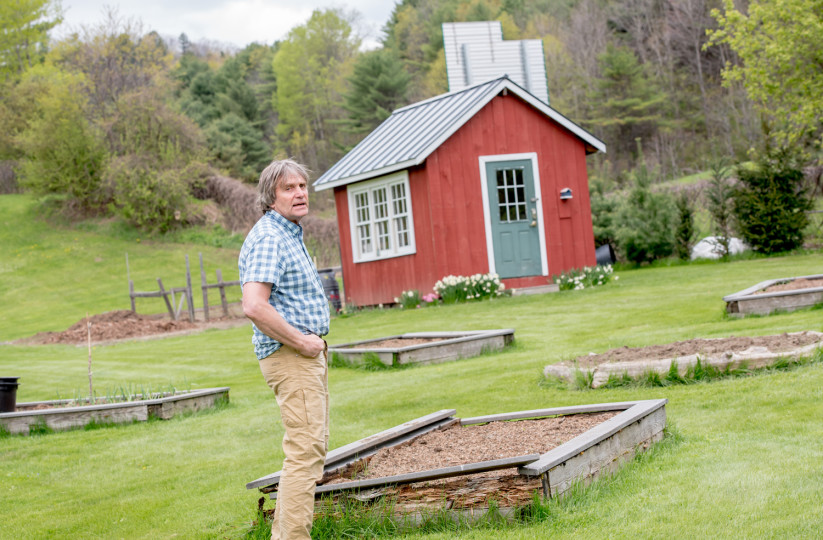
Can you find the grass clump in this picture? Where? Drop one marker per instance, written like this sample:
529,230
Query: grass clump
700,372
368,362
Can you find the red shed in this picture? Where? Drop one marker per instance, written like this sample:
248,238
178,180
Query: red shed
485,179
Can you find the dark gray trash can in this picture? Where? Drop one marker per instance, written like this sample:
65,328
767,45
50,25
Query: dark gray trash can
604,255
8,394
330,287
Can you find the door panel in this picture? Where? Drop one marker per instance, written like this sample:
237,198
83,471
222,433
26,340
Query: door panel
513,211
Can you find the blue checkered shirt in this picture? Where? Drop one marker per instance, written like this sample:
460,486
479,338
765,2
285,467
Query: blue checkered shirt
274,253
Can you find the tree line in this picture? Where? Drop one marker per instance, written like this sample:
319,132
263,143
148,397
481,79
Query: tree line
114,119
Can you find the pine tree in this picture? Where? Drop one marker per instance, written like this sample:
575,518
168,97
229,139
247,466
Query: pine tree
378,86
627,103
684,233
719,195
770,203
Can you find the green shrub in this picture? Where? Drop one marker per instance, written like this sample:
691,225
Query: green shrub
147,198
63,153
770,203
604,213
645,222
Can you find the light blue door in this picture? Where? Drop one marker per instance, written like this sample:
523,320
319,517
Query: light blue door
513,213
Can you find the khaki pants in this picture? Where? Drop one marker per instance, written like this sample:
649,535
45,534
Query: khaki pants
301,387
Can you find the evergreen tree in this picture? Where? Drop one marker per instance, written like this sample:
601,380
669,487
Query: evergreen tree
684,234
378,86
185,44
627,103
770,203
604,210
719,195
646,221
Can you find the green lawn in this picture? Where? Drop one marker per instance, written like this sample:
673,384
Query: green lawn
51,275
747,461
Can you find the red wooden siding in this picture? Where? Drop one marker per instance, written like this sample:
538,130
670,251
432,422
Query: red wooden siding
447,202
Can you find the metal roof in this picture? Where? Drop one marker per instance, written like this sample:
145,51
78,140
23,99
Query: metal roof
412,133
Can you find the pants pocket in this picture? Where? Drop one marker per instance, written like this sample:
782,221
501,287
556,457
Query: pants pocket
293,409
315,401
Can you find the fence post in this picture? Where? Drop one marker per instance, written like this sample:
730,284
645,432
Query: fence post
222,293
204,289
131,297
166,298
189,295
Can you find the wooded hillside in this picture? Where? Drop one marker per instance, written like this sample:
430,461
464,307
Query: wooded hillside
118,119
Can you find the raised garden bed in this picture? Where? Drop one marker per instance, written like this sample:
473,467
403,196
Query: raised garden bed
720,354
61,415
442,461
424,347
784,294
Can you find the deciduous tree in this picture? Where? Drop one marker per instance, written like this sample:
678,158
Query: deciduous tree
781,63
311,67
24,27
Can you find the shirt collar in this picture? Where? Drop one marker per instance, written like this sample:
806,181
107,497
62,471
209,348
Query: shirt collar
290,226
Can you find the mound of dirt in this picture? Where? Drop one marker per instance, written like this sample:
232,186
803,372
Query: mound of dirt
708,347
123,324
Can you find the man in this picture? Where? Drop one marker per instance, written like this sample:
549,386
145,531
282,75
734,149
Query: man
284,298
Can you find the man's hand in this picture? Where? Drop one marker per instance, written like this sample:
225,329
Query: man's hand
312,346
257,308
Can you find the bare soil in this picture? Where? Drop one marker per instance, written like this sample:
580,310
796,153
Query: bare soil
461,445
718,346
793,285
120,325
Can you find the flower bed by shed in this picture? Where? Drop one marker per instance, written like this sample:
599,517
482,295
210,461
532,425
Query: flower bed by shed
61,415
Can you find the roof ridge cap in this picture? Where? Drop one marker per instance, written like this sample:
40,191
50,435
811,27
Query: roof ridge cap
452,93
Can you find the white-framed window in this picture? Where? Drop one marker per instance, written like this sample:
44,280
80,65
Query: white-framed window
381,218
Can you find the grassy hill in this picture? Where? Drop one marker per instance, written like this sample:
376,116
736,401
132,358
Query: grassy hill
53,274
744,458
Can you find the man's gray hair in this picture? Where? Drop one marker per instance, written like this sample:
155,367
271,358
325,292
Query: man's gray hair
272,175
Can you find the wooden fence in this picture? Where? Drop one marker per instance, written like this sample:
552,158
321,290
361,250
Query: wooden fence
169,296
204,286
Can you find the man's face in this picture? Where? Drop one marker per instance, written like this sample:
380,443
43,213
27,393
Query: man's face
291,198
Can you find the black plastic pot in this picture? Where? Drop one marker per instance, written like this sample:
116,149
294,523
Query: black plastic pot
604,255
8,394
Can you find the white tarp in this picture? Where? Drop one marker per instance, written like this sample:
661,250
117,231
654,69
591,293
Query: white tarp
711,248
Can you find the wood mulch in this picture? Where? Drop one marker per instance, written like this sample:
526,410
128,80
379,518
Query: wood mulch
793,285
461,445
